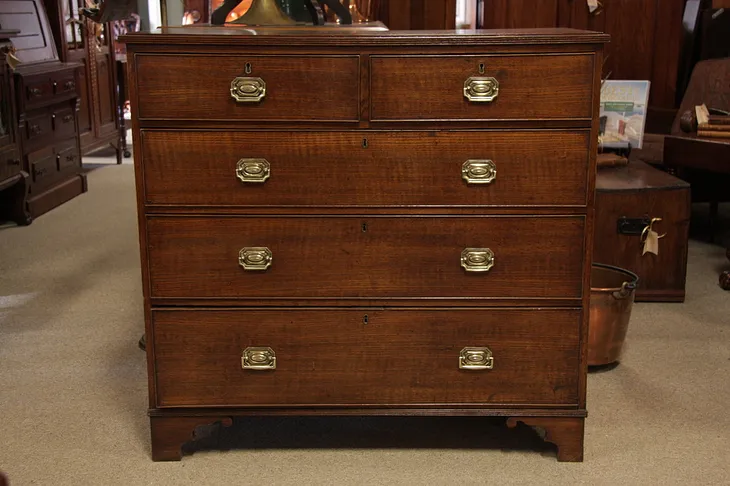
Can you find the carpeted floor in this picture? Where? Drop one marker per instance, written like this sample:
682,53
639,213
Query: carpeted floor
73,393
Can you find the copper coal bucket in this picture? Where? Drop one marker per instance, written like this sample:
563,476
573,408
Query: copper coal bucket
612,296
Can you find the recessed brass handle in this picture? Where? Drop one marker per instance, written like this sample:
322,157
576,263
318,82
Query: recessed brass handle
477,259
481,89
479,171
476,359
258,358
248,90
253,170
255,258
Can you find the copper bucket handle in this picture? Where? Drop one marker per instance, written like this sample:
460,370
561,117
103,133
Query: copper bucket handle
627,287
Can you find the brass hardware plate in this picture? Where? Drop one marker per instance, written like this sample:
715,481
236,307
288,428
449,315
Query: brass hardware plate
253,170
258,358
477,259
255,258
479,171
481,89
476,359
248,90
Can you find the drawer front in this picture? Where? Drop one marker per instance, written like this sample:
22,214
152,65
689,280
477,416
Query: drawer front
311,88
68,159
10,164
366,357
365,257
511,87
531,168
39,128
64,83
38,89
64,123
44,171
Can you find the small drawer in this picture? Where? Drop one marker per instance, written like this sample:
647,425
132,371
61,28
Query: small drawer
361,169
366,257
39,90
314,357
39,127
44,171
64,84
64,123
68,159
10,164
307,88
489,87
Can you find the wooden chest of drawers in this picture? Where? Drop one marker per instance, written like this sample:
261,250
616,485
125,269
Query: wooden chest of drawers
343,222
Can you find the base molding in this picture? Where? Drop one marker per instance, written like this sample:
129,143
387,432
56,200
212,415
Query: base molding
171,429
54,196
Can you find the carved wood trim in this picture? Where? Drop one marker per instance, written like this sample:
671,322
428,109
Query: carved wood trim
565,432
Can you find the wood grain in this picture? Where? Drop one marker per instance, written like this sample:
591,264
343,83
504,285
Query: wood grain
297,87
530,87
395,169
393,257
639,191
335,357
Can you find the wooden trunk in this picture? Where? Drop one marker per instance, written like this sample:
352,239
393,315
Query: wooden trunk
627,198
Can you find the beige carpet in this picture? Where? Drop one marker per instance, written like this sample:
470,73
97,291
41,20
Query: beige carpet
73,385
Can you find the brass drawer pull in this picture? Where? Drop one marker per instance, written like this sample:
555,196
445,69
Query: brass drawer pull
259,359
248,90
253,170
255,258
481,90
477,259
479,171
476,359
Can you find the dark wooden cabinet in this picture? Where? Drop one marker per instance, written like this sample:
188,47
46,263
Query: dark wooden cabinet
46,109
90,44
14,183
417,242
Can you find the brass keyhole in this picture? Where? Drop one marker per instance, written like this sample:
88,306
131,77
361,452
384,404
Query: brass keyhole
364,143
365,319
248,68
481,68
364,227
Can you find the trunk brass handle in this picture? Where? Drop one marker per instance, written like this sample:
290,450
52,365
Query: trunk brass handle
255,258
248,90
476,359
479,171
259,359
477,259
253,170
481,90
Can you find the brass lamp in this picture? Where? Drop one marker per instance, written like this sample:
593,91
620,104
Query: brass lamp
264,12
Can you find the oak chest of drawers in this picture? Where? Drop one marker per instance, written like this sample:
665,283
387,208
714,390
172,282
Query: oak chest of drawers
347,222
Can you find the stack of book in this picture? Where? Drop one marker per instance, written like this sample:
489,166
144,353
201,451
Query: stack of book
712,126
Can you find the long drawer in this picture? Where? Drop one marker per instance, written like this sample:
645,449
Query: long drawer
516,87
366,357
470,168
311,88
371,257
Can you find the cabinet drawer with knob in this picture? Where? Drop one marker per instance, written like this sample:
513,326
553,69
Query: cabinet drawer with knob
487,87
367,257
366,168
38,128
260,88
64,123
361,357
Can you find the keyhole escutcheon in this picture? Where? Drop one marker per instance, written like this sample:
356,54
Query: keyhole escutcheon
364,143
248,68
481,68
365,319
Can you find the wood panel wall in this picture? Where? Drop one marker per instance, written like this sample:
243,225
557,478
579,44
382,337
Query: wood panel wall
419,14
